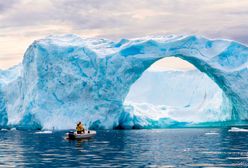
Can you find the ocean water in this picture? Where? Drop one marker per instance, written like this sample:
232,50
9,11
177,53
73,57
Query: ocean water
188,147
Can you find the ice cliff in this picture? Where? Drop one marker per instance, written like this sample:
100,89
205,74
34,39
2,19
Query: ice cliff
64,79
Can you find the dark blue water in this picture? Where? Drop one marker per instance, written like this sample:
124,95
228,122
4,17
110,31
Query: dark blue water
130,148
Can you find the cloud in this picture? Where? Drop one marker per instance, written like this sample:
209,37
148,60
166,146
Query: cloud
5,5
28,20
127,18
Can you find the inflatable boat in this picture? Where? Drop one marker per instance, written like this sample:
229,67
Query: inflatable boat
87,135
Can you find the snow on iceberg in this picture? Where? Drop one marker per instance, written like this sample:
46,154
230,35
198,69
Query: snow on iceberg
64,79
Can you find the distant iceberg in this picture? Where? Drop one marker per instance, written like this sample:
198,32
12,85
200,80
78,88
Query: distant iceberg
64,79
187,97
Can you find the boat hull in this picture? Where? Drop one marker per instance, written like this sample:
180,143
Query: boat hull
87,135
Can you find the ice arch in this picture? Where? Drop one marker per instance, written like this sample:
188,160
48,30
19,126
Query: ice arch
186,98
223,61
63,79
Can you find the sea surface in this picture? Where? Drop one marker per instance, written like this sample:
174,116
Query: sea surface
188,147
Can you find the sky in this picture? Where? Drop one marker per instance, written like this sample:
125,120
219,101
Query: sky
23,21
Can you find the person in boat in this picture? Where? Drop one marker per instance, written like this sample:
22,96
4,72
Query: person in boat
80,128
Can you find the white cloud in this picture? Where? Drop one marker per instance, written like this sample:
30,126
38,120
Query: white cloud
22,21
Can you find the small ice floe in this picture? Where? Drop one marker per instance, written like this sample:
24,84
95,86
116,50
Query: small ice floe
44,132
211,133
235,129
13,129
186,149
4,129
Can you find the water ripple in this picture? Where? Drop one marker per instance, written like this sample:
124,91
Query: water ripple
133,148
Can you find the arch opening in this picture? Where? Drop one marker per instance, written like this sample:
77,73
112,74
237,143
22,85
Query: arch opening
173,92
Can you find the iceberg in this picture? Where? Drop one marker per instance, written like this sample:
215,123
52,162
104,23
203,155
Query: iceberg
64,78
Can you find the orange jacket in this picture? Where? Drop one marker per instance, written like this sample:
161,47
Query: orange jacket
79,127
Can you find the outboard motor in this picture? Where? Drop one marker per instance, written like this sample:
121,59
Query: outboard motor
71,135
